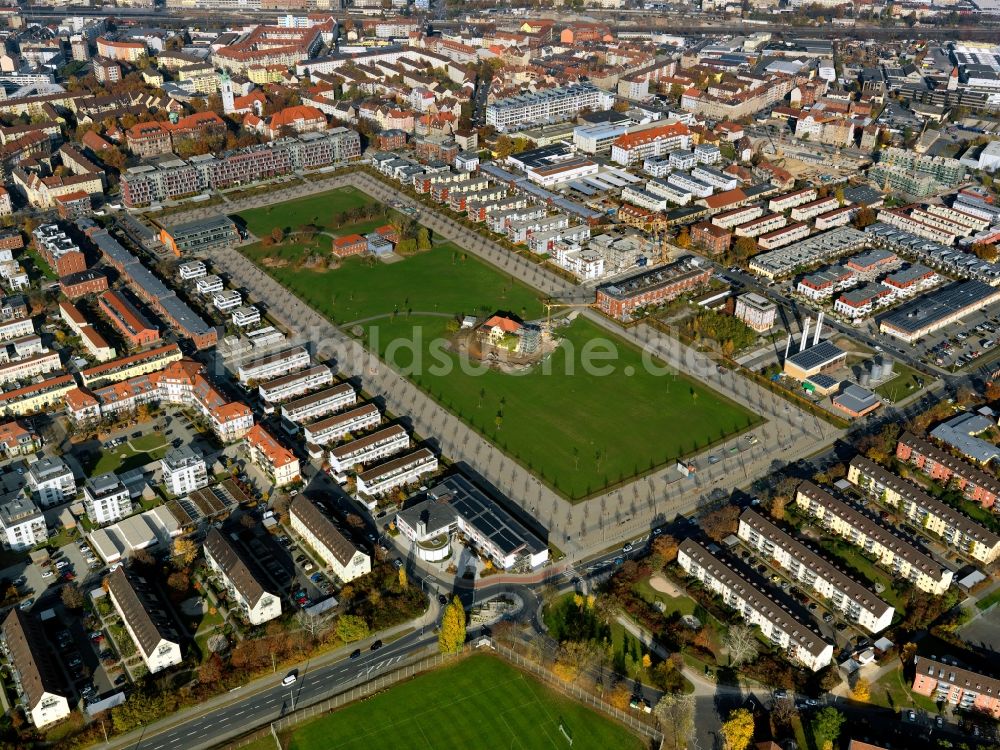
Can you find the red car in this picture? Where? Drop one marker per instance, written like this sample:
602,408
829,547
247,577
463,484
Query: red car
68,576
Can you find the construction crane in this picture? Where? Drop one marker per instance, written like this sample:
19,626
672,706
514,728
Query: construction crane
548,311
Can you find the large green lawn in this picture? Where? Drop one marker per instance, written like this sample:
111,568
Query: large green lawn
579,430
317,209
480,702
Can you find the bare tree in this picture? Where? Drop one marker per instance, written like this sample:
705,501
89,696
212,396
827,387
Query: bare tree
314,625
675,711
742,645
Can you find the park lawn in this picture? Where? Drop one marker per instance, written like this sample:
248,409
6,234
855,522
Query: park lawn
479,702
901,386
579,432
565,426
314,209
440,281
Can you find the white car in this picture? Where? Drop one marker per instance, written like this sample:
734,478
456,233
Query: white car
47,573
290,678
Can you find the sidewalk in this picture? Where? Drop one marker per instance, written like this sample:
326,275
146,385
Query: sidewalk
238,694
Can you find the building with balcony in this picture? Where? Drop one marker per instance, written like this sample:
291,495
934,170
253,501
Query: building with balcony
925,512
184,471
38,680
652,287
777,624
943,681
106,499
320,404
379,444
336,551
295,384
756,311
815,573
147,620
277,461
893,552
397,472
242,584
337,426
50,482
22,524
977,485
273,365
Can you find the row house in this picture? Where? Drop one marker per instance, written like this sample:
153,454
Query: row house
92,341
815,573
397,472
46,395
971,222
912,280
337,552
791,200
893,552
863,301
134,365
128,320
273,365
317,405
761,225
813,208
800,643
649,288
784,236
338,426
977,485
944,223
731,219
925,512
838,217
658,190
688,184
295,384
915,226
29,367
379,444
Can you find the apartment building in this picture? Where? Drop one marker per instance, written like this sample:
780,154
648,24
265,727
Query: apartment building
338,425
246,316
295,384
776,623
273,365
45,395
336,551
243,586
365,450
756,311
397,472
923,511
106,499
193,269
22,524
16,328
634,148
277,461
146,619
943,681
184,471
652,287
319,404
29,366
227,300
784,236
38,680
547,106
892,551
209,284
789,201
128,320
731,219
58,251
50,482
688,184
761,225
212,233
125,368
855,603
977,485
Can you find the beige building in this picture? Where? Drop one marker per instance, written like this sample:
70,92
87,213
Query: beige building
345,560
925,512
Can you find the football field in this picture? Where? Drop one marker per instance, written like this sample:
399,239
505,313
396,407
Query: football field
480,702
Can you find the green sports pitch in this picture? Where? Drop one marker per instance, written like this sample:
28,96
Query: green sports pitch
479,702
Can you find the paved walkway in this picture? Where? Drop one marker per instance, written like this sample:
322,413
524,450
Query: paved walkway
583,528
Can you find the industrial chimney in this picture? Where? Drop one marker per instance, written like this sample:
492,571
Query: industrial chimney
819,327
805,336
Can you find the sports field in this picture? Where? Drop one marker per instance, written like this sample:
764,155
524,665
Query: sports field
578,429
481,702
